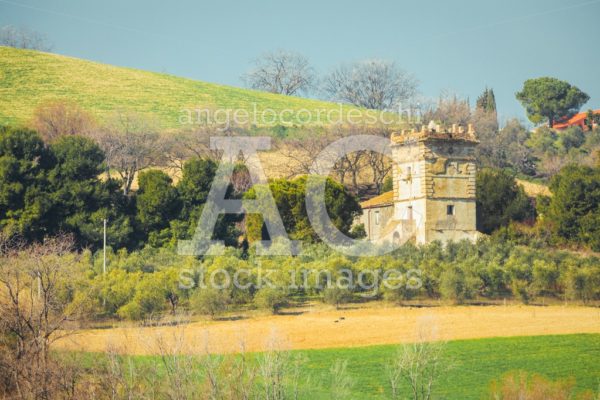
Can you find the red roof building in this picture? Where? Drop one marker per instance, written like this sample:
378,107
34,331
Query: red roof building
580,120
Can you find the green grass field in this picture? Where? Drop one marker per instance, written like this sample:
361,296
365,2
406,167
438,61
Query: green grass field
28,78
475,363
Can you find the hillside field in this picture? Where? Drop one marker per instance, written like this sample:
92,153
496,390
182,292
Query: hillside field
29,78
322,327
473,364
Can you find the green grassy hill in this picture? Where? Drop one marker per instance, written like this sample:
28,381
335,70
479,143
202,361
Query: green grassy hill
469,365
28,78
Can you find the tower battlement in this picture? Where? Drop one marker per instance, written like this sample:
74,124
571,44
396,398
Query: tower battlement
435,132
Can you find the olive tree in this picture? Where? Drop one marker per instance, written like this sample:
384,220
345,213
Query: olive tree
210,301
270,299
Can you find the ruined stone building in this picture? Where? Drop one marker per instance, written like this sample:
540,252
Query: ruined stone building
434,188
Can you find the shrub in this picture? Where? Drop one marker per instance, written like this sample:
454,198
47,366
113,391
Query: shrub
132,311
399,288
150,298
545,277
580,284
336,296
456,286
210,301
522,290
270,299
519,385
420,365
495,280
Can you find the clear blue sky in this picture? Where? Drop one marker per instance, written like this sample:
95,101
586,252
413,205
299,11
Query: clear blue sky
458,46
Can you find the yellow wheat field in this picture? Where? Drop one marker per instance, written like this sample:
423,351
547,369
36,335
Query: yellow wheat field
325,328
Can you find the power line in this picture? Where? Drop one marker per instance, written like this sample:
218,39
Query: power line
84,19
515,19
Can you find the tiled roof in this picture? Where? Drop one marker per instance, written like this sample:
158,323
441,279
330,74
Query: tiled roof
383,199
573,120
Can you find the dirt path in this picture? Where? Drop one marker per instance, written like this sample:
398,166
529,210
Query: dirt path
344,328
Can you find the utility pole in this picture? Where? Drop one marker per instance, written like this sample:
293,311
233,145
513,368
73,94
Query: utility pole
104,250
104,260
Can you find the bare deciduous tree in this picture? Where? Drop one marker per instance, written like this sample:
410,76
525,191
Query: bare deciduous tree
450,109
182,369
183,145
354,163
279,371
302,152
281,72
341,382
131,143
33,315
22,38
419,365
380,164
59,118
178,372
373,84
122,378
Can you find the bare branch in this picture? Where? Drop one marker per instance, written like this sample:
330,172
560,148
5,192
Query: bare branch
373,84
22,38
281,72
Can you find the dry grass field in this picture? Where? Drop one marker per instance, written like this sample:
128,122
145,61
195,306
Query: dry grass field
534,189
327,328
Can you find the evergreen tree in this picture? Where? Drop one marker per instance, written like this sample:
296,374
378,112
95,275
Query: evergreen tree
80,200
550,99
486,101
500,200
195,184
573,211
491,101
24,165
157,202
47,190
290,198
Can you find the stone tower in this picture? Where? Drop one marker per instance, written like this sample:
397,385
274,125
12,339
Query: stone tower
434,184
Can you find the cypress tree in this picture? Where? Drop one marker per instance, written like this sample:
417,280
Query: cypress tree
491,101
487,101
